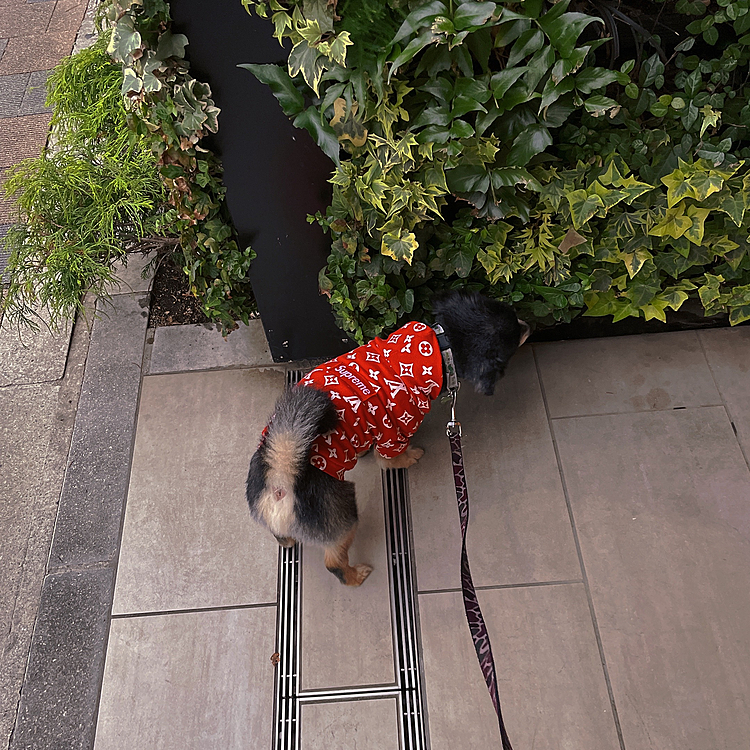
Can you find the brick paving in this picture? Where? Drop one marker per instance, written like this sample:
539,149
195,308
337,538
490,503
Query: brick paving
34,36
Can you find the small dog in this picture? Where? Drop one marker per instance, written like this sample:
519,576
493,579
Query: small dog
376,395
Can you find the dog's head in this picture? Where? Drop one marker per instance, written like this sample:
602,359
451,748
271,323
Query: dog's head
484,334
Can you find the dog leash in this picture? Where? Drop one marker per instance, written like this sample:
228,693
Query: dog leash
479,634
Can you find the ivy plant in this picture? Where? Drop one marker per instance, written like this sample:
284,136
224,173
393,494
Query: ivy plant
173,111
484,145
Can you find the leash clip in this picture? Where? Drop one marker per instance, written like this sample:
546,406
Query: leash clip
453,428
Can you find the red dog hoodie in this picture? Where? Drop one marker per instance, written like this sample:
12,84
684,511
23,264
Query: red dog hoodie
381,392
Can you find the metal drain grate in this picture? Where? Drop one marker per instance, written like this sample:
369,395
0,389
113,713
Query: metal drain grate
408,690
404,610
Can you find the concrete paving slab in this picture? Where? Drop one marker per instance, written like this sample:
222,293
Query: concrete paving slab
189,681
625,374
195,347
63,675
129,277
364,725
552,689
35,429
346,632
660,502
519,529
27,514
88,523
728,354
188,539
33,356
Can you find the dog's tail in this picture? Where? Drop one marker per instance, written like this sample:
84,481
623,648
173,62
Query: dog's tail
302,413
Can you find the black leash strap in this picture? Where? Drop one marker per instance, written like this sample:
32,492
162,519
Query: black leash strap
474,617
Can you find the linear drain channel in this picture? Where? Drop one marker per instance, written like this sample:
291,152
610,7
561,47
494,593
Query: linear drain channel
404,617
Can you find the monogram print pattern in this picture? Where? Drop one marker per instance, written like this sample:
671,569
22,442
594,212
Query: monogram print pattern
478,629
381,392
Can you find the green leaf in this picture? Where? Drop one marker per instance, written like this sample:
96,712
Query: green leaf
131,83
473,14
564,31
632,188
426,37
566,66
399,246
421,16
528,144
678,187
171,45
307,60
281,85
733,205
583,206
461,129
698,217
552,92
322,133
468,179
598,105
739,314
526,44
124,40
594,78
634,261
674,224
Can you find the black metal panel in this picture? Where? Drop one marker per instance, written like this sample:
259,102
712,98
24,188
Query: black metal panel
274,173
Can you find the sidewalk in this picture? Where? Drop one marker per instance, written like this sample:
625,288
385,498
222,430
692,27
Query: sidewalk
140,606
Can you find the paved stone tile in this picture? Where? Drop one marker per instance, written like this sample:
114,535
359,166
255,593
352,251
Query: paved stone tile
551,685
67,16
519,530
22,137
24,54
64,671
27,514
88,523
189,540
12,90
3,44
346,632
33,356
26,19
129,277
728,353
35,429
36,94
189,681
661,506
364,725
625,374
194,347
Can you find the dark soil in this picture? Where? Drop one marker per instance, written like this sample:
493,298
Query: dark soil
172,303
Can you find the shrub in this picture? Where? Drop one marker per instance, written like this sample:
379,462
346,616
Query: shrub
89,198
172,111
484,147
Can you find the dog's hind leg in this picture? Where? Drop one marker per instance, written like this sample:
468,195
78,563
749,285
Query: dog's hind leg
337,561
285,541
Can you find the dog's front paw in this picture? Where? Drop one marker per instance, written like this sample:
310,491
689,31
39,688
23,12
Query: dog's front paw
414,454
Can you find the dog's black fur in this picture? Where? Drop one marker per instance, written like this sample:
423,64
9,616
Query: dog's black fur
297,501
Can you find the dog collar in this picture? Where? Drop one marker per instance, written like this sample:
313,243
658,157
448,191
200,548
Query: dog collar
449,366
